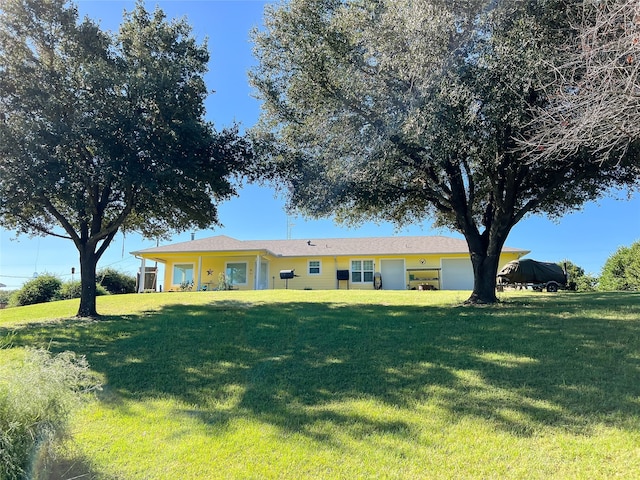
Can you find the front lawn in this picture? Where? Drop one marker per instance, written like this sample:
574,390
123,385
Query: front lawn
348,385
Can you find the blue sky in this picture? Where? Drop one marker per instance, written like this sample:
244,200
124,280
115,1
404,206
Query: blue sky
586,237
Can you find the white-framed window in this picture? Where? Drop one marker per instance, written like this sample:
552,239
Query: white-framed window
362,271
314,267
236,273
182,273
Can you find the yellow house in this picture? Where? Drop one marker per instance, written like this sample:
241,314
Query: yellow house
389,263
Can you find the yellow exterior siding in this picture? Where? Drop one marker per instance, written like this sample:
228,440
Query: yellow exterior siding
260,267
209,270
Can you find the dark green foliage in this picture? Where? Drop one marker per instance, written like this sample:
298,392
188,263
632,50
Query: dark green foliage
578,279
101,131
48,288
621,271
116,282
39,290
70,290
74,290
36,398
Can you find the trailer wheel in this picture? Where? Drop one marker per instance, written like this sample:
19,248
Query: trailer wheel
552,287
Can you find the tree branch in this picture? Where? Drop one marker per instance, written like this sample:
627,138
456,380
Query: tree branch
40,228
595,100
64,223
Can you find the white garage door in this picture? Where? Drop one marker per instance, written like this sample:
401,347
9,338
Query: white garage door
393,275
457,274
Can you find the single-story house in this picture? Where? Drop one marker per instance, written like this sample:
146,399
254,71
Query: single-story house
389,263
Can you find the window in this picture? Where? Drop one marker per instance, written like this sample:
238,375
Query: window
361,271
182,273
314,267
236,273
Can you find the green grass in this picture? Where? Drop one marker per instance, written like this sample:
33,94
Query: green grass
348,385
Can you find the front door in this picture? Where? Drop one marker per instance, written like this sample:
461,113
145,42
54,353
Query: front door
263,280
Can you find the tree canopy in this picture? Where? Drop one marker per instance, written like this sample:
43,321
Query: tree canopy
101,132
402,111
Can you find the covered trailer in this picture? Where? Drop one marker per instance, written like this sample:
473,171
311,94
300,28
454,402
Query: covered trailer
538,275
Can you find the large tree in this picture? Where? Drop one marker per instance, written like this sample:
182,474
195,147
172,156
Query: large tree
101,132
402,111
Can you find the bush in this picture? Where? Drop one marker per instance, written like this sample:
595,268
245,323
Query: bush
5,295
36,399
116,282
39,290
586,283
582,281
47,288
621,271
74,290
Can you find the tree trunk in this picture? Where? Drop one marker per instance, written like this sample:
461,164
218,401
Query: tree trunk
485,250
485,269
88,262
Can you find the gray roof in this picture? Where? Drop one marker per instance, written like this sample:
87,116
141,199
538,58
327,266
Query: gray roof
324,246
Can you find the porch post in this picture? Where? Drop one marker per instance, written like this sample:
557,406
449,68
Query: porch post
143,271
257,279
199,274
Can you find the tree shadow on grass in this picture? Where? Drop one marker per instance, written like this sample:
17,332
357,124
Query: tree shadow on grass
523,366
61,468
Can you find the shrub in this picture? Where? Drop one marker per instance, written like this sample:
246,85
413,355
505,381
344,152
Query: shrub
74,290
621,271
586,283
39,290
582,281
36,398
5,295
116,282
